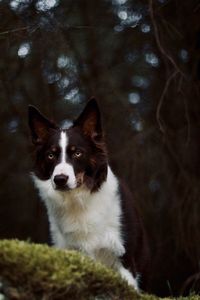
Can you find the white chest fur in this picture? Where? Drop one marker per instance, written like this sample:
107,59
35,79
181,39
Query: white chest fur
84,221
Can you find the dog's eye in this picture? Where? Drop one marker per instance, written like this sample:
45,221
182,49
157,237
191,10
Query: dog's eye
77,154
50,156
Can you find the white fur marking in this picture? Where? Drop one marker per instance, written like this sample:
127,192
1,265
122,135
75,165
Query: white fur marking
63,167
126,274
63,145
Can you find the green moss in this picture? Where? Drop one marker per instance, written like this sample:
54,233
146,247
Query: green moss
38,272
41,272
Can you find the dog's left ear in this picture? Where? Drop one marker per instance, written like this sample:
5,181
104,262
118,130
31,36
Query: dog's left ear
90,120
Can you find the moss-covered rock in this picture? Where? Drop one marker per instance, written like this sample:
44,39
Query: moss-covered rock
38,272
31,271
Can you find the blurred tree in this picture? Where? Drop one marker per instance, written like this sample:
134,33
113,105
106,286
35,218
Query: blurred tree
141,60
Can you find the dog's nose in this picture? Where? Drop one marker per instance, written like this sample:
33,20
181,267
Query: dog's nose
60,180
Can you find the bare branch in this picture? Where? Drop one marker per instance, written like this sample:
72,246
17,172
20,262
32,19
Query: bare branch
14,30
167,84
158,41
35,28
192,279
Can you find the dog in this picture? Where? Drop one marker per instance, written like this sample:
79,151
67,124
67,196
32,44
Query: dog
88,208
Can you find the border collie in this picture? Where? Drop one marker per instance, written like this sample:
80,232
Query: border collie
88,208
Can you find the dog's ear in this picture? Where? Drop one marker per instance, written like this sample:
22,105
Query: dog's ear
40,126
90,120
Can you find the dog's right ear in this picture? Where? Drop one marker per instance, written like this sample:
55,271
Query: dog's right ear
39,125
90,120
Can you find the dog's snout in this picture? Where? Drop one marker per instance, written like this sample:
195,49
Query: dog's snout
60,180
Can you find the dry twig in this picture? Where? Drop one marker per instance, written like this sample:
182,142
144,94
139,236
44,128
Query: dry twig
14,30
158,41
167,84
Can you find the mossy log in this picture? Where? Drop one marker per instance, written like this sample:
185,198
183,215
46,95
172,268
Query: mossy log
38,272
31,271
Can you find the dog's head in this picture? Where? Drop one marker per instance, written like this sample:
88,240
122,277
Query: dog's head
71,157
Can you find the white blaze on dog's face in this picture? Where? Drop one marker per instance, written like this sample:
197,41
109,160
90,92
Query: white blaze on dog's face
70,157
63,175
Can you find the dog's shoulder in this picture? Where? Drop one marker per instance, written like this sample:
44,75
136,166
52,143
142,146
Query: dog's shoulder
137,254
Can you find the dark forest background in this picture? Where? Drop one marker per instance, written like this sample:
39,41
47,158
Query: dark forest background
141,60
